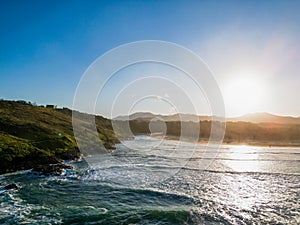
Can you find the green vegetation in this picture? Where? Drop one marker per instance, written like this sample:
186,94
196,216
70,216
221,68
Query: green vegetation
236,132
31,135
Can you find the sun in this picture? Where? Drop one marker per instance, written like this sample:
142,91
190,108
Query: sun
243,95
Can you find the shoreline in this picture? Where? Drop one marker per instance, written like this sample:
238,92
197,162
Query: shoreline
233,143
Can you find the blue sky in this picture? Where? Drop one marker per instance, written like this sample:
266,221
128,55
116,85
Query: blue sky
47,45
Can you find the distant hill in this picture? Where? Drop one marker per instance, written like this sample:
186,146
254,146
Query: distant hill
252,118
236,132
139,115
32,135
147,116
255,129
266,118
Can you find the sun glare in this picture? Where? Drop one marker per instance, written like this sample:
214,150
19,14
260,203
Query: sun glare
243,95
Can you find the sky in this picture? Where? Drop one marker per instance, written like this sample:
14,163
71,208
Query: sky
252,48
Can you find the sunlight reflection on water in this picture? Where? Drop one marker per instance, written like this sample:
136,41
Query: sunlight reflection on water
240,165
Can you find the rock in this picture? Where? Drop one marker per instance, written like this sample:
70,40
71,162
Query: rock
51,169
11,186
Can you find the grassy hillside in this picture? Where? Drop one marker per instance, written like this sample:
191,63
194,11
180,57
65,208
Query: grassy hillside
31,135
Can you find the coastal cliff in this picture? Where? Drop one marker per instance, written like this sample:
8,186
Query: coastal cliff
31,135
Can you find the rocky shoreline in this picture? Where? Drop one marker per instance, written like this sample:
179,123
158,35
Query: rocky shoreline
42,164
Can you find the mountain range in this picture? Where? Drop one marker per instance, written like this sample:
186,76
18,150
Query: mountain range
251,118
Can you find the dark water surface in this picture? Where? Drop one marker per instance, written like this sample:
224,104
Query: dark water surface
145,182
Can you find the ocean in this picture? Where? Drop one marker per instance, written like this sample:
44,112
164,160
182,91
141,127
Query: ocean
152,181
